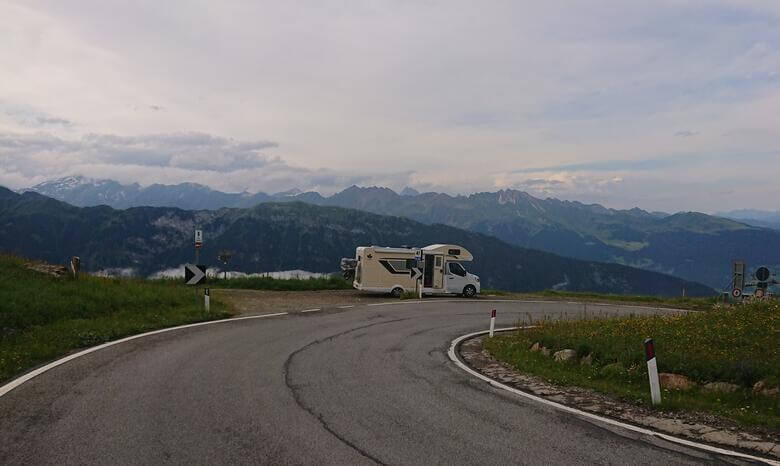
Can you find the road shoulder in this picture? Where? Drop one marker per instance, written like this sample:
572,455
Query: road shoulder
698,427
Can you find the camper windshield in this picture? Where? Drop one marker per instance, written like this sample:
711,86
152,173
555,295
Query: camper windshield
457,269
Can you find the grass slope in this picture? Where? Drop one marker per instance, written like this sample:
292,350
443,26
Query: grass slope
739,345
43,317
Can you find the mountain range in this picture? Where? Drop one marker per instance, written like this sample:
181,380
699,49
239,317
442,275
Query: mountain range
690,245
291,235
759,218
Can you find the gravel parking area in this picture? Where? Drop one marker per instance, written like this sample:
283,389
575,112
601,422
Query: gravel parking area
247,302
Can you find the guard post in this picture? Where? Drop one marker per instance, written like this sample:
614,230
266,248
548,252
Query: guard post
652,371
206,296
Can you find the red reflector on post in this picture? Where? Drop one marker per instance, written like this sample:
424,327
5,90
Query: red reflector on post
493,313
649,349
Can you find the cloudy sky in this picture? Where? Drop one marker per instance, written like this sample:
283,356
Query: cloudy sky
668,105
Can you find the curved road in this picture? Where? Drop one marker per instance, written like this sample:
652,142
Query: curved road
370,384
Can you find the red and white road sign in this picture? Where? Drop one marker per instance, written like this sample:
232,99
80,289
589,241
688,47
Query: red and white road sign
736,292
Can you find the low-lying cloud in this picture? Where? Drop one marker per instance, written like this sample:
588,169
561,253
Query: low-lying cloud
170,158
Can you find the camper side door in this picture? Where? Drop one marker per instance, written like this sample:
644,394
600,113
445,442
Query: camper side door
438,272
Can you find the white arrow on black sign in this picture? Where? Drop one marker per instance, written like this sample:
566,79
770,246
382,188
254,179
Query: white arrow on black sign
194,274
415,273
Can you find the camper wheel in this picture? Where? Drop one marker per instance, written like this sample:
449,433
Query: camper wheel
397,292
469,291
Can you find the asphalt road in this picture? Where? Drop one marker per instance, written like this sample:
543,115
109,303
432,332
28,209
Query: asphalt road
369,384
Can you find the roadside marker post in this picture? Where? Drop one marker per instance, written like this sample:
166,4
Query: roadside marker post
492,322
652,371
206,298
419,259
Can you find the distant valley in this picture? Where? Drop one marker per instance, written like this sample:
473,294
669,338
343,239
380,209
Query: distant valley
690,245
284,236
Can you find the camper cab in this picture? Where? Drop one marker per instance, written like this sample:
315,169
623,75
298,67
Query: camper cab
388,270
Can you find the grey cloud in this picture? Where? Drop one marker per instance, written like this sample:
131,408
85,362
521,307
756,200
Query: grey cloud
30,117
156,108
686,133
43,120
221,163
194,151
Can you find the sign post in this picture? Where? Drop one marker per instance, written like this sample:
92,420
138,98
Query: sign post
224,257
652,372
198,244
206,296
415,273
492,322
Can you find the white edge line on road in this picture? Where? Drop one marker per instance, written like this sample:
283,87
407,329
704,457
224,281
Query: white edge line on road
32,374
311,310
473,301
347,306
701,446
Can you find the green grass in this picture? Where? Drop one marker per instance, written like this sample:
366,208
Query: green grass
43,317
700,304
739,344
277,284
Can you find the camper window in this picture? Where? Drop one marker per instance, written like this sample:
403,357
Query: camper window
457,269
399,265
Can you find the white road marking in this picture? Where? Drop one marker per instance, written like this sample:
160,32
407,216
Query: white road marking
311,310
347,306
721,451
30,375
477,301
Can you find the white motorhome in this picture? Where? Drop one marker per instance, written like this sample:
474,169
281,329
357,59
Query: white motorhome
388,270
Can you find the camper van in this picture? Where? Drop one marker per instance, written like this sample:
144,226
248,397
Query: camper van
389,270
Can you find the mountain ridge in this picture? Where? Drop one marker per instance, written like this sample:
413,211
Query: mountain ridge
691,245
284,236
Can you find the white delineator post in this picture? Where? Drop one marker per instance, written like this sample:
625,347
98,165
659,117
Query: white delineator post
492,322
206,299
652,371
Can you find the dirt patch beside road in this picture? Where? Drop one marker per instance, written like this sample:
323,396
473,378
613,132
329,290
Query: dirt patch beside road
246,302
